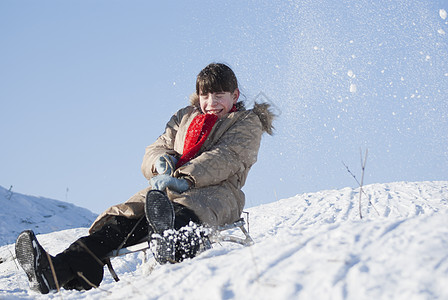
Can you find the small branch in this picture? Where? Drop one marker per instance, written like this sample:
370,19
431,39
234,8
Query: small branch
10,193
360,184
14,258
350,172
55,278
363,168
80,274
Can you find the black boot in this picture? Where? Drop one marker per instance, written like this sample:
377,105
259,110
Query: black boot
85,256
86,266
35,262
160,215
190,235
188,241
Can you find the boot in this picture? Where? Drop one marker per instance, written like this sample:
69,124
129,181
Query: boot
35,262
189,240
160,215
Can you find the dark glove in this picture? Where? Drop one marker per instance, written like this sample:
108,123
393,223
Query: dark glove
161,182
166,164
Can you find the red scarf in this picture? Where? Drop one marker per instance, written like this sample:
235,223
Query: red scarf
197,134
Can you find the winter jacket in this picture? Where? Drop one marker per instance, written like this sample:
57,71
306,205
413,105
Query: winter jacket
218,172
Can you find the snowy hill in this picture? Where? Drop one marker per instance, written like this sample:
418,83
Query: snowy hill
19,212
311,246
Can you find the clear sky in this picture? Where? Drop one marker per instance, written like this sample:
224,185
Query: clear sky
85,86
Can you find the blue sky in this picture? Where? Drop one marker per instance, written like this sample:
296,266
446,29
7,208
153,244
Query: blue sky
85,86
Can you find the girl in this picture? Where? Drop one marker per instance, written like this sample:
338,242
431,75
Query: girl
196,170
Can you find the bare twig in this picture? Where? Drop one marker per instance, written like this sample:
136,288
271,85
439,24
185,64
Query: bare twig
53,272
130,233
14,258
10,193
90,252
350,172
102,264
360,184
90,283
363,168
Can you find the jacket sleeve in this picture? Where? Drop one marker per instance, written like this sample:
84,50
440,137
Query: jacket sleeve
163,144
235,152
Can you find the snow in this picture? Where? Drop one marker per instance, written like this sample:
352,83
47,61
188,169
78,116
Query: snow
442,13
43,215
350,74
311,246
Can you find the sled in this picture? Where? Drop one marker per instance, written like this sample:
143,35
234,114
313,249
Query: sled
216,234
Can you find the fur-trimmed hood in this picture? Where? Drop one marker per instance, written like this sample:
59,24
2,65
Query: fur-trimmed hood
262,110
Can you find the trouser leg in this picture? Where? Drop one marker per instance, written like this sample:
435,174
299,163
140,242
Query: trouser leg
184,216
87,253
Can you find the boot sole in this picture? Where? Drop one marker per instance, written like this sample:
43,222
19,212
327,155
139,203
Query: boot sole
160,215
28,256
159,211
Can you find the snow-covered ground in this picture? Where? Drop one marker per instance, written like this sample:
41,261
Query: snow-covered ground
311,246
19,212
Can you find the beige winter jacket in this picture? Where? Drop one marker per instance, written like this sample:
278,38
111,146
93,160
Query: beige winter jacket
218,172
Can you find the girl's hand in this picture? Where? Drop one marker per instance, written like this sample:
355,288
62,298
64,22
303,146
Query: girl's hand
166,164
161,182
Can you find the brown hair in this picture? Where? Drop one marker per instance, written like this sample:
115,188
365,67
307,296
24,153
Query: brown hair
216,77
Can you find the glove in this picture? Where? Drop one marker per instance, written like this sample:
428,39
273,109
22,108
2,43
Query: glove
166,164
161,182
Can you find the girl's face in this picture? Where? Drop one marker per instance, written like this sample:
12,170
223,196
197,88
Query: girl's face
218,103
